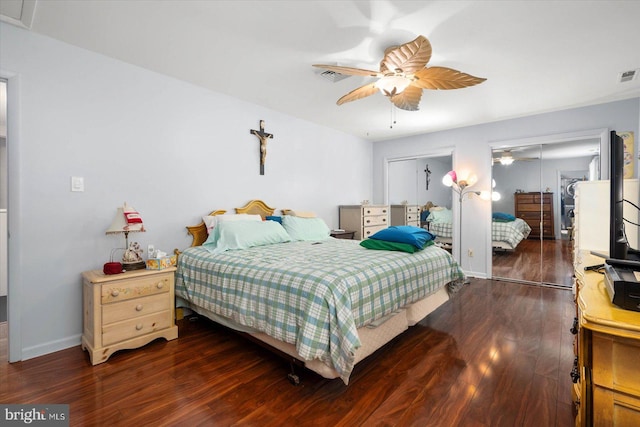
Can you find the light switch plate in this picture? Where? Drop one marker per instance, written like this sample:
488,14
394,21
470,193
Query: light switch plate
77,183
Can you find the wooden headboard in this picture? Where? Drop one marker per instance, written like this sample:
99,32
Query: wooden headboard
254,207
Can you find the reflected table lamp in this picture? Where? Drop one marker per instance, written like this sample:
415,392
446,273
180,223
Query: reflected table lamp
126,221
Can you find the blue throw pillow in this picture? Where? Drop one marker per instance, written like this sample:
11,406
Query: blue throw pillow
415,236
275,218
501,216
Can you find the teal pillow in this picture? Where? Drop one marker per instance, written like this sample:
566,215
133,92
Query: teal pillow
305,229
234,235
409,234
501,216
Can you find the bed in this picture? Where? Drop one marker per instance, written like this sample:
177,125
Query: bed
505,235
327,304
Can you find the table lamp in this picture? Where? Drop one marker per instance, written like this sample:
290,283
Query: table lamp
127,220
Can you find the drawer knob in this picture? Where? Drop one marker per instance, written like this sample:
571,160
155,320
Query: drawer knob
139,307
138,326
115,292
160,285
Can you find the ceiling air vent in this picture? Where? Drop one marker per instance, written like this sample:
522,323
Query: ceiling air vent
332,76
627,76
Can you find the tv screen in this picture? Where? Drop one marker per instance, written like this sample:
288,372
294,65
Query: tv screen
618,245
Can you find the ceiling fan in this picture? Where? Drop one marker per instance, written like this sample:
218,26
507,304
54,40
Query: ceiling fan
403,75
506,158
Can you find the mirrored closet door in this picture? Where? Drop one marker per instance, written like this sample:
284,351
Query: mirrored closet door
537,184
417,182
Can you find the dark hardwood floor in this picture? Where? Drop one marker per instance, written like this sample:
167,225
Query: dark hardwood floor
497,354
551,265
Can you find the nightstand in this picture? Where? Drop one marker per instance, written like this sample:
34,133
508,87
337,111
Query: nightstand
126,311
343,234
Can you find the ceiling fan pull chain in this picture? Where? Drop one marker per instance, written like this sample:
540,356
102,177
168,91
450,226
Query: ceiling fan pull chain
392,119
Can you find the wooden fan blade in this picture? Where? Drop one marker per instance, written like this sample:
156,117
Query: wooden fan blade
359,93
408,99
409,57
444,78
350,71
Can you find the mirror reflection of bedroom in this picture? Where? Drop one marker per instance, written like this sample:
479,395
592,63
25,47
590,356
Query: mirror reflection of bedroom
418,182
536,184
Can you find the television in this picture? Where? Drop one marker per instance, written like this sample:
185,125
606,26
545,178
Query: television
618,244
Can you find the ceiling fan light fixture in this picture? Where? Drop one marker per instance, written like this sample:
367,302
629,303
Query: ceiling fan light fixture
392,85
506,159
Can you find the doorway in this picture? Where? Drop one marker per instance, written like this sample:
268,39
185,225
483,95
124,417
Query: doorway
3,223
535,183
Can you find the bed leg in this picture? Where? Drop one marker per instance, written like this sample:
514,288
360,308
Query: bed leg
292,376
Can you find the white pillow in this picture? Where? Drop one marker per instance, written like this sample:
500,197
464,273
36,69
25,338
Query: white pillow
442,216
233,235
305,229
213,220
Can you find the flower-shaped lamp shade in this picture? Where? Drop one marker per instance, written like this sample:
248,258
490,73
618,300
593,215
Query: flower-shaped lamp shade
450,178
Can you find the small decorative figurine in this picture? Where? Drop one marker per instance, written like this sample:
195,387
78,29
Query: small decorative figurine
133,253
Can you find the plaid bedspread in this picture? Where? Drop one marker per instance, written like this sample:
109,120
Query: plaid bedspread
312,295
512,232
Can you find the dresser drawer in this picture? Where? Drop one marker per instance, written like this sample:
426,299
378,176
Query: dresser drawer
374,220
370,231
124,290
121,331
615,363
133,308
375,210
615,409
413,217
413,209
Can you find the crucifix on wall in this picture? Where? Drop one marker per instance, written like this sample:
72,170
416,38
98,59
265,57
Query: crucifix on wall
263,137
428,173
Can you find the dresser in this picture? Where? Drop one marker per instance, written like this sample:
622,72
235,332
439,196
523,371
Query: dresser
365,220
405,215
607,365
536,208
126,311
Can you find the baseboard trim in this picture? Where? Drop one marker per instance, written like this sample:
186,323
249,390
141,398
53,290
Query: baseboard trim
51,347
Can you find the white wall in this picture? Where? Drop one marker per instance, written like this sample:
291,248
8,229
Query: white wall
172,150
472,152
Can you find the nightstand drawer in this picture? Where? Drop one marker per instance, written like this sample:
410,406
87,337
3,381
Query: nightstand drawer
124,290
121,331
134,308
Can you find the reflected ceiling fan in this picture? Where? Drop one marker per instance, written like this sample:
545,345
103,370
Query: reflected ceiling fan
506,158
403,75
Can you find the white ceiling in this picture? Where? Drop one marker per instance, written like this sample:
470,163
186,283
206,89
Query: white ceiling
537,56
